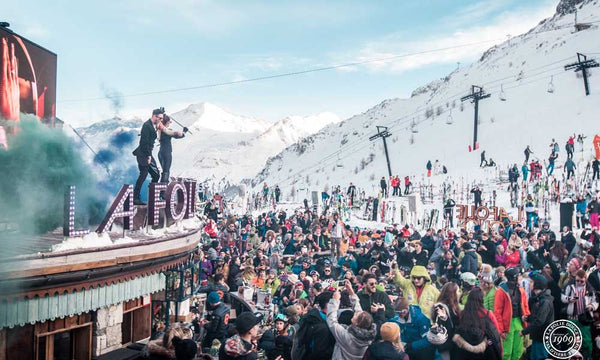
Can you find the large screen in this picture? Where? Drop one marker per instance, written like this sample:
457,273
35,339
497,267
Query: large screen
27,82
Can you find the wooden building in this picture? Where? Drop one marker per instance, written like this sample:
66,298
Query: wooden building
84,303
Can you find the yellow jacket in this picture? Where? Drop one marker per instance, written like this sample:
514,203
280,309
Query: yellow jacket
428,296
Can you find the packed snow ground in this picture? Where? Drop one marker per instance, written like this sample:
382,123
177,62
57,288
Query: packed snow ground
435,125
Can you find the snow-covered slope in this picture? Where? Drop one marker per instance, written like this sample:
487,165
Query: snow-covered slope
435,124
220,145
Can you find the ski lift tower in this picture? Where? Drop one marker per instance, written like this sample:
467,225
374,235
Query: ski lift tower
476,94
582,65
382,132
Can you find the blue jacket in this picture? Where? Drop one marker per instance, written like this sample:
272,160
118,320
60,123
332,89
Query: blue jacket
581,207
414,332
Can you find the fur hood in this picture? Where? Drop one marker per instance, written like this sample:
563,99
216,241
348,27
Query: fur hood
365,336
474,349
155,350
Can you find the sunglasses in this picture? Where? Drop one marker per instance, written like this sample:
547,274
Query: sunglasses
580,281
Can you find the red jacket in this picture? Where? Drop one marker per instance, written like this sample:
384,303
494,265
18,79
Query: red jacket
513,259
406,181
503,307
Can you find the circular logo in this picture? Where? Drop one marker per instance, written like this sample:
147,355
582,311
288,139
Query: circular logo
562,339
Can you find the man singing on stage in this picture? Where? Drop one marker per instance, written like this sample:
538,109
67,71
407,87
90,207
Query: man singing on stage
143,153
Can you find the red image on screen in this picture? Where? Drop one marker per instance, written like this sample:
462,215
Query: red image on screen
27,82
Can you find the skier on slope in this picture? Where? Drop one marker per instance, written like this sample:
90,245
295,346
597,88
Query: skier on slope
429,166
570,146
407,184
383,185
570,167
525,171
483,162
351,192
527,153
551,159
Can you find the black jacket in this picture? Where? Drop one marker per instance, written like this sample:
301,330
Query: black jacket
313,340
217,327
384,351
165,142
542,314
147,139
379,297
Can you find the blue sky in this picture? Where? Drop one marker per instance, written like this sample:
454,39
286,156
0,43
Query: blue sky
133,46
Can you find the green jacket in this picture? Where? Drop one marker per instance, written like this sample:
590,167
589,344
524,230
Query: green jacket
488,299
273,287
428,296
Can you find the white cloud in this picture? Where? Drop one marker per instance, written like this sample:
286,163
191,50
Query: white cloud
515,22
35,32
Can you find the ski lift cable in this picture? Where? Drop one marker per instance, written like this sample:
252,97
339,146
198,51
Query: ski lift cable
355,147
301,72
91,149
293,73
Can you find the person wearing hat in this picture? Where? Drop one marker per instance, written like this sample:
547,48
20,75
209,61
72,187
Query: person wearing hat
242,346
468,259
541,305
512,308
486,283
378,246
216,320
418,290
390,348
469,281
414,326
272,282
269,339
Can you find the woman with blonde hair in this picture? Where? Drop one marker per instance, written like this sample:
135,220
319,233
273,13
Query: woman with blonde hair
390,348
164,348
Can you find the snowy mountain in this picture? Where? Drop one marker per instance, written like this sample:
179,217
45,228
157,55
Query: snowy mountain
238,155
220,144
533,99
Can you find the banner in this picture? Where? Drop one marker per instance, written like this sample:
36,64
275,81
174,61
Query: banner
597,146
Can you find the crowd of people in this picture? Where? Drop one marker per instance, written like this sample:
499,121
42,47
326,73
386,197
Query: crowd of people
343,293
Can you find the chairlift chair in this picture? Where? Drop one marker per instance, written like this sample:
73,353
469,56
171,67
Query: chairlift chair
551,85
502,95
449,120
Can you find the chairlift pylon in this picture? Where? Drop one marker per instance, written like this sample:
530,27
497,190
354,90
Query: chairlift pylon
413,127
339,160
502,95
449,120
551,85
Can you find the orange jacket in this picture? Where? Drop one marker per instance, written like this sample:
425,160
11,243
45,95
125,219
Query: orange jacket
503,307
